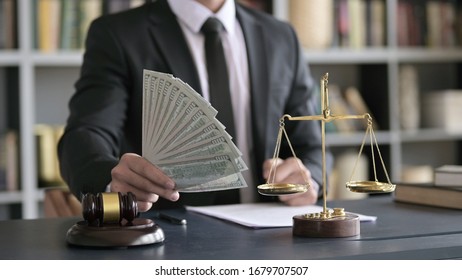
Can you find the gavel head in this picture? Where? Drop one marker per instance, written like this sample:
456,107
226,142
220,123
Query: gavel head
109,208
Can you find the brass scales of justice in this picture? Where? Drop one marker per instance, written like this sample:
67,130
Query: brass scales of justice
330,222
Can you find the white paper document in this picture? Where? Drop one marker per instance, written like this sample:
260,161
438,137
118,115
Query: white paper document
262,215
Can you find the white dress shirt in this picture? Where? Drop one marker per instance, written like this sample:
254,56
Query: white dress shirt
191,16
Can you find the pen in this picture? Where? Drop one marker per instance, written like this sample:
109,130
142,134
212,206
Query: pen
171,219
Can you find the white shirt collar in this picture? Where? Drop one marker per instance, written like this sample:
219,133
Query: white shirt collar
193,14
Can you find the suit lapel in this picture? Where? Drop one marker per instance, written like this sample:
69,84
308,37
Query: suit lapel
259,89
256,55
167,34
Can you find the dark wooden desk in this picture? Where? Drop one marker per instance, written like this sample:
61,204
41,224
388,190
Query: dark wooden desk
402,231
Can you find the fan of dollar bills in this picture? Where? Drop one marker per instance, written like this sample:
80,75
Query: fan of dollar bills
182,137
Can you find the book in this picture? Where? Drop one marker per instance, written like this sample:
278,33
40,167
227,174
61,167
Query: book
60,202
448,176
48,24
9,162
339,106
375,23
70,25
7,24
417,174
357,23
2,26
343,172
47,137
89,11
428,194
358,106
442,109
342,23
3,101
313,21
409,98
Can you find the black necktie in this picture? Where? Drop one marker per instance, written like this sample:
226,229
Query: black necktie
220,95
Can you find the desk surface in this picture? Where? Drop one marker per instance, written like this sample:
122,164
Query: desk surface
402,231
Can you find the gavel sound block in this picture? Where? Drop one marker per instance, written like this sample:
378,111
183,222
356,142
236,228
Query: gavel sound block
110,220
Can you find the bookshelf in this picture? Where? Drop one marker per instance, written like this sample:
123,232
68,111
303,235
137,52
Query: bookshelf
45,83
376,72
44,80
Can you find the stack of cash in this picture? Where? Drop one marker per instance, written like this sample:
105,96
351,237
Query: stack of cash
182,137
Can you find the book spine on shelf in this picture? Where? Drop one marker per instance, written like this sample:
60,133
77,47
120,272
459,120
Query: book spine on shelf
9,161
63,24
3,163
8,24
357,18
89,10
339,106
69,37
375,23
47,137
339,23
429,23
409,98
358,106
442,110
313,21
9,144
48,22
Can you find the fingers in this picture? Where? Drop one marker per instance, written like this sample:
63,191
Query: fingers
144,169
144,206
268,164
290,170
137,175
299,199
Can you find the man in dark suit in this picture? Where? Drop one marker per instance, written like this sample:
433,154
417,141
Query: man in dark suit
100,150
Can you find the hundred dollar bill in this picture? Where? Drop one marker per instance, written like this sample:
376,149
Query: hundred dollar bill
157,94
198,118
150,86
184,141
179,107
233,181
197,133
182,136
199,171
164,124
208,147
162,97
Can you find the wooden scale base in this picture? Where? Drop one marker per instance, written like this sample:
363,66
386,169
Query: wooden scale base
139,232
309,225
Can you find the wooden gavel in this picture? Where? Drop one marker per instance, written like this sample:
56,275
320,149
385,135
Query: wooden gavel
109,208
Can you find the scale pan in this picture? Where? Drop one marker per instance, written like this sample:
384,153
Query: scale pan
282,188
370,187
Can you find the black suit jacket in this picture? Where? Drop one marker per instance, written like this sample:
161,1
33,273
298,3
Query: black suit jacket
106,109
